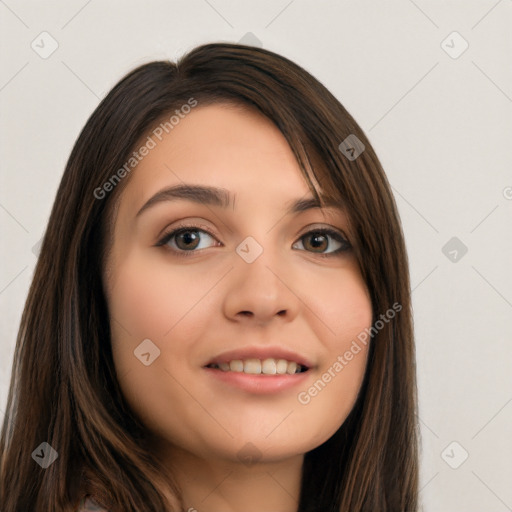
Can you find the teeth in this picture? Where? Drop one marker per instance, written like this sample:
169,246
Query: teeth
282,366
236,366
292,368
268,366
252,366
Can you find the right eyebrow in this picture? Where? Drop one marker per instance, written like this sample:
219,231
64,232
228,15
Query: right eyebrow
201,194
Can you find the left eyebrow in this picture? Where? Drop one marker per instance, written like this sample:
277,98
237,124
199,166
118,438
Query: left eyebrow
301,205
220,197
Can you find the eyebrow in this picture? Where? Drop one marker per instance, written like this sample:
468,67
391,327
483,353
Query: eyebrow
220,197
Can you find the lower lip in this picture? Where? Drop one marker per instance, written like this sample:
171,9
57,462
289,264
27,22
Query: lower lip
260,384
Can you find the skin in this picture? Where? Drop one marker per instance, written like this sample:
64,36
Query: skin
194,308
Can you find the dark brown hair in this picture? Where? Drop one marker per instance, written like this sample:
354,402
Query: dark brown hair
63,387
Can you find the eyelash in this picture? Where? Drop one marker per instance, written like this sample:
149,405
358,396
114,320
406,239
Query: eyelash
323,231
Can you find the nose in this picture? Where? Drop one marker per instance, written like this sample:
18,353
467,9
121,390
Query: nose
260,291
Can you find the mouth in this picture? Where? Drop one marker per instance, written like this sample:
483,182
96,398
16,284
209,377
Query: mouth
253,366
259,370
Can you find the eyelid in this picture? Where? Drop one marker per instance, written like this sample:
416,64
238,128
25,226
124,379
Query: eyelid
166,233
304,231
335,233
319,226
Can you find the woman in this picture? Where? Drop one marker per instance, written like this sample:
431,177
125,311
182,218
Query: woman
220,316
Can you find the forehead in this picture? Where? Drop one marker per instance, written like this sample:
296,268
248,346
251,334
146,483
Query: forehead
224,146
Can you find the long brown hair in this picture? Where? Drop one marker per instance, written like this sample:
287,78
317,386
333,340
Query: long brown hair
63,388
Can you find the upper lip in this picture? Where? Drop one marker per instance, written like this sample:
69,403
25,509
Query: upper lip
259,352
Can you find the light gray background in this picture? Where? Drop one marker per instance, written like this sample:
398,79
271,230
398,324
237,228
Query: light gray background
441,126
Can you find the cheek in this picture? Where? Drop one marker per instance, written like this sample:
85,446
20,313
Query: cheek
148,299
144,304
343,302
342,306
345,311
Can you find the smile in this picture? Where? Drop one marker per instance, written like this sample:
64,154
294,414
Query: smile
268,366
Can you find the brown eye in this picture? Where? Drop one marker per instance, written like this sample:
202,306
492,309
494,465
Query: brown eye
317,242
188,239
185,241
320,240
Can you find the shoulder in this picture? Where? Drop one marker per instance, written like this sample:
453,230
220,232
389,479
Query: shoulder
89,505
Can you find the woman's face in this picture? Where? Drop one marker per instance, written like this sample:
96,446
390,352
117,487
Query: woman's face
248,282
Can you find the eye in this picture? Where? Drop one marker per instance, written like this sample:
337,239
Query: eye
317,241
185,240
